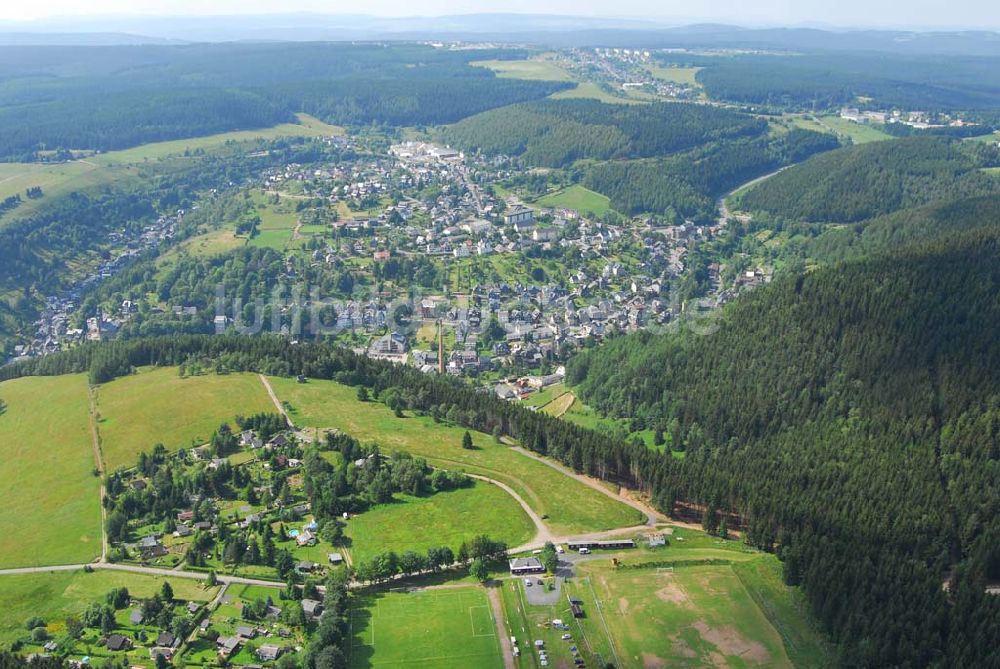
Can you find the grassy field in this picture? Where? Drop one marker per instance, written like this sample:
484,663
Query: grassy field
702,614
589,89
306,127
443,519
787,610
55,595
139,411
445,629
858,132
579,199
534,69
678,75
51,510
560,405
569,505
57,179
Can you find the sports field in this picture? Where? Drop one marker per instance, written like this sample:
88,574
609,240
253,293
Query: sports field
577,198
442,519
571,507
443,628
138,411
50,511
54,596
703,616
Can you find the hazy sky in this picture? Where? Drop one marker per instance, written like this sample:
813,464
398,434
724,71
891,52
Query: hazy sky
847,13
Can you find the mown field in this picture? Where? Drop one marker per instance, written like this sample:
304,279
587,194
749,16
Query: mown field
570,506
678,75
50,513
307,126
579,199
61,178
158,406
857,132
442,519
589,89
703,616
735,613
54,596
542,69
446,628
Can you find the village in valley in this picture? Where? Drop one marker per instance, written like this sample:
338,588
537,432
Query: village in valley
399,217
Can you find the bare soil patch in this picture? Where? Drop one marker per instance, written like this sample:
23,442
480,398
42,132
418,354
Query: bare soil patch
650,661
672,592
728,640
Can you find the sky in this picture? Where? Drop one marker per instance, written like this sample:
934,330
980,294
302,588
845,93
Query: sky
843,13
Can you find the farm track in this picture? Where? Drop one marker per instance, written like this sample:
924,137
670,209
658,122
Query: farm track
274,398
496,608
95,440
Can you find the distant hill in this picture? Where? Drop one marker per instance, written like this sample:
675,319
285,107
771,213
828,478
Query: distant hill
79,39
861,182
542,29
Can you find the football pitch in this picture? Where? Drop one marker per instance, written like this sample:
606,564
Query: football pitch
433,628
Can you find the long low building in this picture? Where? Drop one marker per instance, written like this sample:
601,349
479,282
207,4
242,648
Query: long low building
528,565
614,544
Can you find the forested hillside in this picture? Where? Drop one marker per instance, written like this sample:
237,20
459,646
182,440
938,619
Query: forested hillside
554,133
893,231
686,185
849,416
671,159
154,93
860,182
817,81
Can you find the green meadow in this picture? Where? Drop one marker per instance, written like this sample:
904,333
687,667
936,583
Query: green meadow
51,511
533,69
57,179
569,505
446,629
143,409
306,127
579,199
702,614
678,75
590,90
53,596
858,132
442,519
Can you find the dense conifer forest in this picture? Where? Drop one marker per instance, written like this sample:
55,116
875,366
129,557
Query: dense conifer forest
818,80
848,417
555,133
687,184
167,92
860,182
